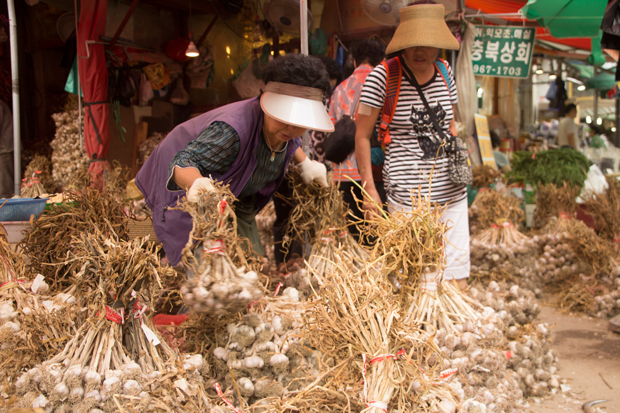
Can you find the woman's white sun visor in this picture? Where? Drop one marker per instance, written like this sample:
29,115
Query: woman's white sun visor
296,105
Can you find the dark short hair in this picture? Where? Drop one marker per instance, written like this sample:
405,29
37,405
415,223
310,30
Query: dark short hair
369,50
333,68
496,141
570,107
298,70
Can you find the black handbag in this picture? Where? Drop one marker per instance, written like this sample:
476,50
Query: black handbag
459,170
341,142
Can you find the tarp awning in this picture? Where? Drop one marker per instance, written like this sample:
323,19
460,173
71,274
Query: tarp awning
567,18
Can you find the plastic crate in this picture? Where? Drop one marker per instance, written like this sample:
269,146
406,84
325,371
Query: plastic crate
20,209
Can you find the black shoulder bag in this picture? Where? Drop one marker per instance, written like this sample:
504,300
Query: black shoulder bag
459,170
341,142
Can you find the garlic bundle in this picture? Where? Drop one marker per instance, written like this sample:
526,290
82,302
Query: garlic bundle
516,259
68,158
219,286
607,305
265,353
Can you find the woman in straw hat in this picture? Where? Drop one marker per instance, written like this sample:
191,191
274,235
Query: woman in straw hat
246,144
414,154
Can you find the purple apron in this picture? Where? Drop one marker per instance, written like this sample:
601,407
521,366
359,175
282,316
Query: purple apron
173,226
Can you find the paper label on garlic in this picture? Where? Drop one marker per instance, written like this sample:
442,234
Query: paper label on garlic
150,336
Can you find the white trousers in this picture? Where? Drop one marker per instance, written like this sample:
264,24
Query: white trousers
456,239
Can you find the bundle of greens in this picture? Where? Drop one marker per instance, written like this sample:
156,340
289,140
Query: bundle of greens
553,166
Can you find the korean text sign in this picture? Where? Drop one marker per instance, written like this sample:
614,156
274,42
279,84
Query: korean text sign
503,51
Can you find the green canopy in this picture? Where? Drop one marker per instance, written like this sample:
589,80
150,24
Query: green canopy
567,18
601,81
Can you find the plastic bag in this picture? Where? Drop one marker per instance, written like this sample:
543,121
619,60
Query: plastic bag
595,183
146,91
179,96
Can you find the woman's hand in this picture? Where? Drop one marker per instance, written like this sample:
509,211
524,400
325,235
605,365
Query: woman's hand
313,171
372,203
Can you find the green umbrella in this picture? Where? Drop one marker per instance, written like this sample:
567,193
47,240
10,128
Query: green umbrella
567,18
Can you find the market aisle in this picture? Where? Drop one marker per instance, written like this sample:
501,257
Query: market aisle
587,351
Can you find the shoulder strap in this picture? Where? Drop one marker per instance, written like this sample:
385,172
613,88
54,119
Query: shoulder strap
392,90
442,68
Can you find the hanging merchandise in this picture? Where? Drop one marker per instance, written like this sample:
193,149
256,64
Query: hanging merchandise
247,84
260,63
340,56
317,43
158,75
179,96
146,91
610,38
200,69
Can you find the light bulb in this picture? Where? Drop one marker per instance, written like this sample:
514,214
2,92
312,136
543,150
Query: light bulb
192,51
227,50
552,77
613,129
539,71
581,87
599,121
588,119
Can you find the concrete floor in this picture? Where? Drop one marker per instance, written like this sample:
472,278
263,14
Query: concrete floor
589,361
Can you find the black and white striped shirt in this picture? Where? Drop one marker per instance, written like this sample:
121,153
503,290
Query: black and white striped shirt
406,167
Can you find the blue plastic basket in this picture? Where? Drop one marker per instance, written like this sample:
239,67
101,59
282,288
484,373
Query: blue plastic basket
20,209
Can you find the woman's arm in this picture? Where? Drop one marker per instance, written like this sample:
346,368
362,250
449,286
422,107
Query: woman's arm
185,177
299,156
365,125
453,130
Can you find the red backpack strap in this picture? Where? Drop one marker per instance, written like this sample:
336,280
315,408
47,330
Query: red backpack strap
392,90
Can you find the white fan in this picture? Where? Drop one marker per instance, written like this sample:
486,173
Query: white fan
385,12
284,15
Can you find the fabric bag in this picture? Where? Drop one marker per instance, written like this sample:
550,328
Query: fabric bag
459,170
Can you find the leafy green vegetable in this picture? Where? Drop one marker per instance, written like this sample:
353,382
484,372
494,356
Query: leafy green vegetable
550,167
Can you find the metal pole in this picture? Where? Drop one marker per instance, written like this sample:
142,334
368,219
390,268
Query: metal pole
17,144
303,26
617,134
79,86
303,37
595,109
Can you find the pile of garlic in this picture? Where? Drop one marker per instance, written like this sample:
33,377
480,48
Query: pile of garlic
530,357
56,387
608,304
557,260
67,156
517,260
265,354
148,146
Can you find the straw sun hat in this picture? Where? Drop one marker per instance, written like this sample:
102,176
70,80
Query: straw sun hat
422,25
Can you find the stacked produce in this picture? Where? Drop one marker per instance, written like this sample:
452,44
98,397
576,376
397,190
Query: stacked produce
555,166
483,176
498,246
530,360
37,178
222,279
262,355
48,241
264,221
115,357
148,146
320,213
68,158
605,211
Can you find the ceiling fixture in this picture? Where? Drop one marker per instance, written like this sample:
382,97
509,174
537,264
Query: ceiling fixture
192,50
552,77
384,12
588,119
284,15
539,71
581,87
